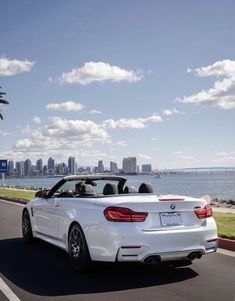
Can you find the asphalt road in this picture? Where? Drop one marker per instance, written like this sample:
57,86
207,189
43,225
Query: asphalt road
42,272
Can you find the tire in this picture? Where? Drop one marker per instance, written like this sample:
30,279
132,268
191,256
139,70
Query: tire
27,232
77,249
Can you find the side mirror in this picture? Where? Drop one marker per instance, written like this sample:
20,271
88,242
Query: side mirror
41,194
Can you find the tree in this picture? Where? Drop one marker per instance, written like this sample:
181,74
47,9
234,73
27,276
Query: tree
2,101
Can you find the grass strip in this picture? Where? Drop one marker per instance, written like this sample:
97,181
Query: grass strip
17,194
225,224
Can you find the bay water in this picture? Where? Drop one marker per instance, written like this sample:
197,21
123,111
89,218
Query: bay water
216,184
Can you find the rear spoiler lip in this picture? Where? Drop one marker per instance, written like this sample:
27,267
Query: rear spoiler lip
171,200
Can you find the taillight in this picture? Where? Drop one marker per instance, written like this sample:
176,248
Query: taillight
120,214
204,212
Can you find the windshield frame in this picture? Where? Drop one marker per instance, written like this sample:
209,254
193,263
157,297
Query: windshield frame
88,180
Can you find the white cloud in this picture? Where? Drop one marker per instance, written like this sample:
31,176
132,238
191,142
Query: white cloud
137,123
76,130
154,139
59,138
121,143
143,157
26,129
168,112
222,94
224,158
95,112
187,157
99,72
221,154
4,133
65,106
36,119
181,155
11,67
97,154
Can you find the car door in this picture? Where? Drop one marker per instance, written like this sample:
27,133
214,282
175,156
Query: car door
46,217
48,210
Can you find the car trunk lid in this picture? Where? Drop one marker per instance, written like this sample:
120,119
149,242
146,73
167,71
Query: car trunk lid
164,212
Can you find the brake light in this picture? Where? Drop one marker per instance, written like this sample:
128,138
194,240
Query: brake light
120,214
204,212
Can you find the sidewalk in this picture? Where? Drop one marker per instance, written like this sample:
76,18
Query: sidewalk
223,210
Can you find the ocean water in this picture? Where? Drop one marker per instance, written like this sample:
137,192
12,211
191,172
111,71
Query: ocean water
216,184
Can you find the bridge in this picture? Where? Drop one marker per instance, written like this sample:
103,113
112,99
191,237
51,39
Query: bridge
199,169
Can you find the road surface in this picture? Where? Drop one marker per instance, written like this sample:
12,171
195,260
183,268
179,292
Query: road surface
42,272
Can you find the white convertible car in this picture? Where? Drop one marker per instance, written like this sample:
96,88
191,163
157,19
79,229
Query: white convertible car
109,221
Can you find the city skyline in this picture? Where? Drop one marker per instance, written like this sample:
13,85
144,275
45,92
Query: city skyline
26,168
103,81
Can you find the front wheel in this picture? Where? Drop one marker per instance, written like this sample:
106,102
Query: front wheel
78,250
26,227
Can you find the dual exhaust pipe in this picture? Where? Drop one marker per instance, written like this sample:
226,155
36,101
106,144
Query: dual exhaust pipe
194,255
154,259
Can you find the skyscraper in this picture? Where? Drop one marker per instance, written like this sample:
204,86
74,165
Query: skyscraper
146,168
72,166
10,168
51,166
129,165
39,166
113,167
100,167
20,169
27,168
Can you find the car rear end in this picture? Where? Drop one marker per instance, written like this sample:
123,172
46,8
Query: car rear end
152,228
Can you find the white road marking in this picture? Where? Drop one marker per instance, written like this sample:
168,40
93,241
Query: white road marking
14,203
7,291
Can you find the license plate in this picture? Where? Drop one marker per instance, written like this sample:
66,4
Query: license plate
171,219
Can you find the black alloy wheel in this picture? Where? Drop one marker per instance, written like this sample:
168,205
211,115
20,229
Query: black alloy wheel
78,250
26,227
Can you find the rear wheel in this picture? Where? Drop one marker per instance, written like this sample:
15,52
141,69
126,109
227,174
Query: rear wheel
78,250
26,227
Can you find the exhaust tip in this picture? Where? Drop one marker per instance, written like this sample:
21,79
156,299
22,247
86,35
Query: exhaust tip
153,259
194,255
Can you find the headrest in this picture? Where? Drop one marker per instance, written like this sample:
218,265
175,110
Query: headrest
146,188
129,189
110,188
87,190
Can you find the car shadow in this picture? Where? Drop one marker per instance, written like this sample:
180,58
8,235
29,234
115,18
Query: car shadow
43,269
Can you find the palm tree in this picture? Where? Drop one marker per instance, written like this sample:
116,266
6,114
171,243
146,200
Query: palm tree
2,101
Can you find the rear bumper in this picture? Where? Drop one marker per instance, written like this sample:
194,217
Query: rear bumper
129,243
189,254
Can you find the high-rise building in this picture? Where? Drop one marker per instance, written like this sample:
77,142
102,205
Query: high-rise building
27,168
113,167
71,166
20,169
129,165
44,170
10,168
39,166
146,168
100,167
51,166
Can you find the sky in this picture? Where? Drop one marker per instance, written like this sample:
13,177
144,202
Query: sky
104,80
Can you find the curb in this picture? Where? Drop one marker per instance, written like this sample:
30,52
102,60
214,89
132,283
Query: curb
19,201
227,244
